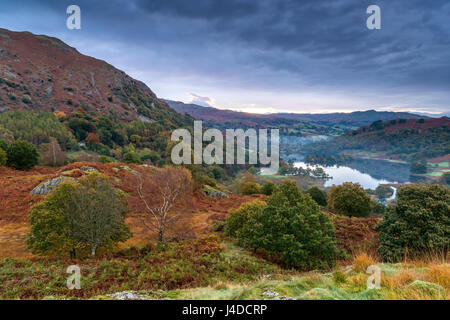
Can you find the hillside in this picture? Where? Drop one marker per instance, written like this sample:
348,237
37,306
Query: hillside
406,139
353,119
41,73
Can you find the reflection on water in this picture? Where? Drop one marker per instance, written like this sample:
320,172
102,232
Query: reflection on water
368,173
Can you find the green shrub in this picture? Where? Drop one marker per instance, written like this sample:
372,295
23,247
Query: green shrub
418,223
349,199
238,218
105,159
2,157
131,157
26,98
22,155
319,196
250,188
290,228
268,188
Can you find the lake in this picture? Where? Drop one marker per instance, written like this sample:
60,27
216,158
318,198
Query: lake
367,172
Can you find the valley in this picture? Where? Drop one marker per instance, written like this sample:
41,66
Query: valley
88,178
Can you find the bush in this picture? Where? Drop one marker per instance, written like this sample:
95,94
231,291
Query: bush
70,219
26,98
2,157
418,223
290,228
268,188
349,199
131,157
238,218
22,155
319,196
250,188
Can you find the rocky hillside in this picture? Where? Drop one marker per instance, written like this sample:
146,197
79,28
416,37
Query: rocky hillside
43,73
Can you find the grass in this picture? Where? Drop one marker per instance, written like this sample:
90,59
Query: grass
208,268
191,263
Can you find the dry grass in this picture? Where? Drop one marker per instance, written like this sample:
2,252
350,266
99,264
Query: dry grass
362,261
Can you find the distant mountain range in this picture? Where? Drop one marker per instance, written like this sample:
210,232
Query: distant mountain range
353,119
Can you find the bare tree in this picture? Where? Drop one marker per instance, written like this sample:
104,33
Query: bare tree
161,192
51,153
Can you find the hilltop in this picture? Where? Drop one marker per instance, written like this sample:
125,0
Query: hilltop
41,73
406,139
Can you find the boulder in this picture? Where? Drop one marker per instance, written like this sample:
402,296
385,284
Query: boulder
48,186
87,169
213,193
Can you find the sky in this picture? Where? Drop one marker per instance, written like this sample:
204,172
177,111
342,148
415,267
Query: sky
303,56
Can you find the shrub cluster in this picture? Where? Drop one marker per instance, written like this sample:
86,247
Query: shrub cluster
349,199
290,228
418,223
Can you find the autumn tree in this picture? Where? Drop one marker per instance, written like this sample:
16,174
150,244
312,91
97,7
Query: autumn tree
87,214
51,154
161,191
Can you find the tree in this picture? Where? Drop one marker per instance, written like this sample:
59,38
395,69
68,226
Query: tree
384,191
349,199
268,188
290,227
51,154
22,155
417,224
237,219
319,196
89,213
161,192
250,188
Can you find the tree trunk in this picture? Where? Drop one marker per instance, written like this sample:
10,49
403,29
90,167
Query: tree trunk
93,251
73,254
160,235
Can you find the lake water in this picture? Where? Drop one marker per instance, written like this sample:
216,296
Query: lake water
368,173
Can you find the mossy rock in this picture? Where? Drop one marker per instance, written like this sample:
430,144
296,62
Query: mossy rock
48,186
87,169
213,193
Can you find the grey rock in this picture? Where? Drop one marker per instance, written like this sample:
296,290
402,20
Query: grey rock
49,185
213,193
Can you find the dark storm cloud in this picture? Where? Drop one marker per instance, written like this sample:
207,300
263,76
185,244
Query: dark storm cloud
281,45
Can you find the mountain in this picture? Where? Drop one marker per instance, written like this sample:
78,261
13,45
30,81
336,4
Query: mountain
41,73
353,119
225,119
406,139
